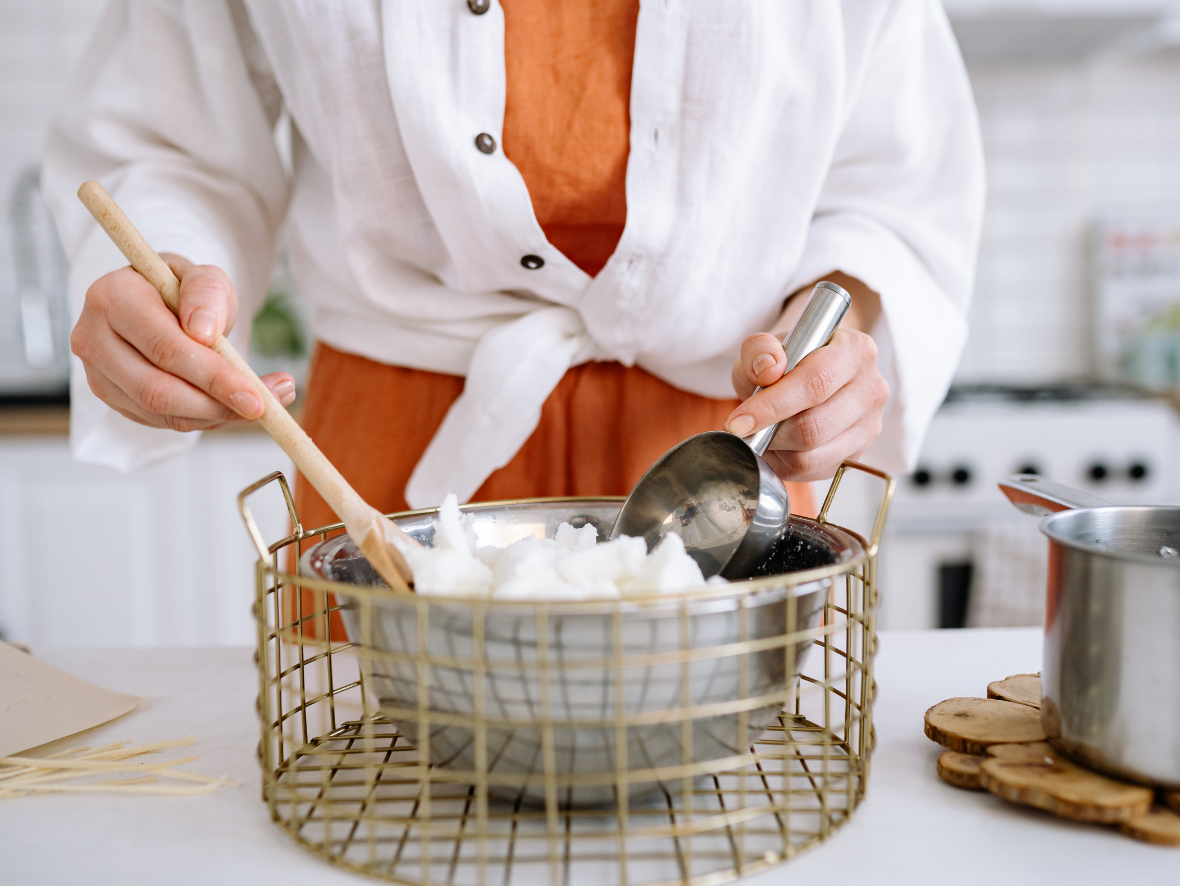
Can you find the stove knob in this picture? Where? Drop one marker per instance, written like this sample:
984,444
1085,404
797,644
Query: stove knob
961,475
1097,472
1029,467
921,476
1138,471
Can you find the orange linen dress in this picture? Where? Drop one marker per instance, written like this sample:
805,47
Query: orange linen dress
566,127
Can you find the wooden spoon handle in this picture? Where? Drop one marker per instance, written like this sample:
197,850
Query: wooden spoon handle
320,472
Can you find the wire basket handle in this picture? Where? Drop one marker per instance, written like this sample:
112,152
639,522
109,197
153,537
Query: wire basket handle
252,524
879,523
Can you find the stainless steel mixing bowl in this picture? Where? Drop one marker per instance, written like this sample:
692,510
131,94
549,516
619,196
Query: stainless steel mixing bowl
614,681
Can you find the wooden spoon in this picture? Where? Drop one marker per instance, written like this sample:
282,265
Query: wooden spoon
377,537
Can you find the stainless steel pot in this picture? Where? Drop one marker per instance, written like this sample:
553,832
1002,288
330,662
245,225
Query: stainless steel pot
1111,695
611,678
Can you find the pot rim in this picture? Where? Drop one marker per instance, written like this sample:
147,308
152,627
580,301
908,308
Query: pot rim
1051,531
796,583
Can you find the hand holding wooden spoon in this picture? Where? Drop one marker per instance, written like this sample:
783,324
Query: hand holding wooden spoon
378,538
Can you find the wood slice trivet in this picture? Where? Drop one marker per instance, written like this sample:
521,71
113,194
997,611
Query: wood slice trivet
1021,688
960,770
1170,800
969,725
1160,825
1036,775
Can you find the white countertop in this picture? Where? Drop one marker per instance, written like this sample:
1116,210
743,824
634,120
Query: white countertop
911,827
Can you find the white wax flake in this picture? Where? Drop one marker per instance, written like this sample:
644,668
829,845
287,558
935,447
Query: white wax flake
570,566
450,567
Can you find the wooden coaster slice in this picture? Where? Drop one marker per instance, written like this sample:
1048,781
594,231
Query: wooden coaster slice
1021,688
969,725
1160,825
1037,775
960,770
1170,800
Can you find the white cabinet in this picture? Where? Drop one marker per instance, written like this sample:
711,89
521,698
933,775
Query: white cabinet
89,557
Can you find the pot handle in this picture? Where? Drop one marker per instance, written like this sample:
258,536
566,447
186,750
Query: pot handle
1035,495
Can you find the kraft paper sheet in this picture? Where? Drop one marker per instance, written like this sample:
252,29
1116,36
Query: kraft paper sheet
39,703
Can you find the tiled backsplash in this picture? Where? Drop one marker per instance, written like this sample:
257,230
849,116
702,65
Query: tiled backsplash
1066,145
1067,142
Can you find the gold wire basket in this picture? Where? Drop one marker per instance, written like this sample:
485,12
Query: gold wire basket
762,769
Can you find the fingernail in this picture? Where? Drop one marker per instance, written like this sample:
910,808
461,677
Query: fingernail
203,322
761,362
284,389
246,404
741,425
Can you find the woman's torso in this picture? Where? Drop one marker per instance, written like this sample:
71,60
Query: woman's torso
566,128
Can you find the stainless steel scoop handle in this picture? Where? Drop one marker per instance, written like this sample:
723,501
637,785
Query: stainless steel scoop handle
820,319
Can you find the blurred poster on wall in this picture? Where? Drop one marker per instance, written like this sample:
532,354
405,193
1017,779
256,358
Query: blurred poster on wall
1136,292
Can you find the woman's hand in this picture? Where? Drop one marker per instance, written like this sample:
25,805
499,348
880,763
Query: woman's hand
158,369
830,405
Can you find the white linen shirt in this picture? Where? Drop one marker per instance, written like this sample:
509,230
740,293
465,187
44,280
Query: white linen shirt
771,143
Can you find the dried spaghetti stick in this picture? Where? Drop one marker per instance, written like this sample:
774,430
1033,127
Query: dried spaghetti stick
112,789
36,776
88,751
91,765
25,776
147,779
118,752
66,753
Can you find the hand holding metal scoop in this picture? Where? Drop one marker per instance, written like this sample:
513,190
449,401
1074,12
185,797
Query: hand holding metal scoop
714,489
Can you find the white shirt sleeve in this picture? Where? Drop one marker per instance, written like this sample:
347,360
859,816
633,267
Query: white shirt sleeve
172,109
901,210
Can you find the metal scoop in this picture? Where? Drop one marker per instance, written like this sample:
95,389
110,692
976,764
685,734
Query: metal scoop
714,489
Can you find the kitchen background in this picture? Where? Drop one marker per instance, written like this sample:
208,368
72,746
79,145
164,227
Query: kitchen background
1074,318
